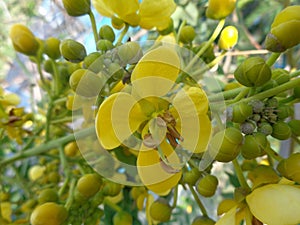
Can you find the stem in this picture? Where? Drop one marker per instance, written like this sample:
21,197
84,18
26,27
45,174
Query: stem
48,120
240,96
112,205
47,146
71,194
179,30
273,154
94,26
207,44
56,84
240,175
123,33
295,74
226,94
175,197
272,59
197,199
39,67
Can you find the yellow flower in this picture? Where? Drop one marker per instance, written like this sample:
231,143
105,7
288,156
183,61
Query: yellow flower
165,117
147,14
8,99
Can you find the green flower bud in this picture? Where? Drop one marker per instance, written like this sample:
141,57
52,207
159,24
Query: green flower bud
241,112
77,7
253,72
104,45
111,189
72,51
130,53
284,111
282,35
281,131
160,210
254,146
219,9
203,220
187,34
281,76
262,175
295,127
228,38
23,40
191,176
117,23
47,195
122,218
48,66
248,127
265,128
207,185
272,102
167,30
225,145
89,59
52,48
257,105
208,55
269,85
86,83
107,33
290,167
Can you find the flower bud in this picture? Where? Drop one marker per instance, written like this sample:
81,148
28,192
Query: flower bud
265,128
257,105
130,53
254,146
117,23
219,9
261,175
284,111
107,33
160,210
191,176
72,51
241,112
167,30
248,127
228,38
23,40
207,185
122,218
111,189
253,72
203,220
89,59
295,127
104,45
77,7
281,131
290,167
282,35
225,145
86,83
52,48
187,34
272,102
281,76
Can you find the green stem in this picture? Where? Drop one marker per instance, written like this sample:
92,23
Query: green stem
240,176
213,37
71,195
56,85
123,33
197,199
272,59
226,94
42,78
94,26
179,30
48,120
112,205
175,196
295,74
273,154
47,146
240,96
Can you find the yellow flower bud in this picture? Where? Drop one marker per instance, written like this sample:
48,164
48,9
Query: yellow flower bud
283,33
187,34
52,47
23,40
228,38
219,9
72,51
77,7
275,204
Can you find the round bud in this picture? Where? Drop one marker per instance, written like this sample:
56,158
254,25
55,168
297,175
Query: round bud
207,185
89,59
48,214
104,45
228,38
290,167
225,145
187,34
23,40
107,33
248,127
77,7
191,176
130,53
160,210
281,76
111,189
241,112
122,218
281,131
254,146
71,149
89,184
86,83
272,102
262,175
167,30
203,220
48,66
219,9
257,105
295,127
282,35
117,23
265,128
52,47
253,72
47,195
284,111
72,51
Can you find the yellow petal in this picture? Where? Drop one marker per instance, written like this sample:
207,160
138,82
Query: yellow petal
103,7
156,72
10,99
156,13
275,204
230,218
125,9
151,171
117,118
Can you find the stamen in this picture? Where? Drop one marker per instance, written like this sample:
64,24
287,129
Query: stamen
175,133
